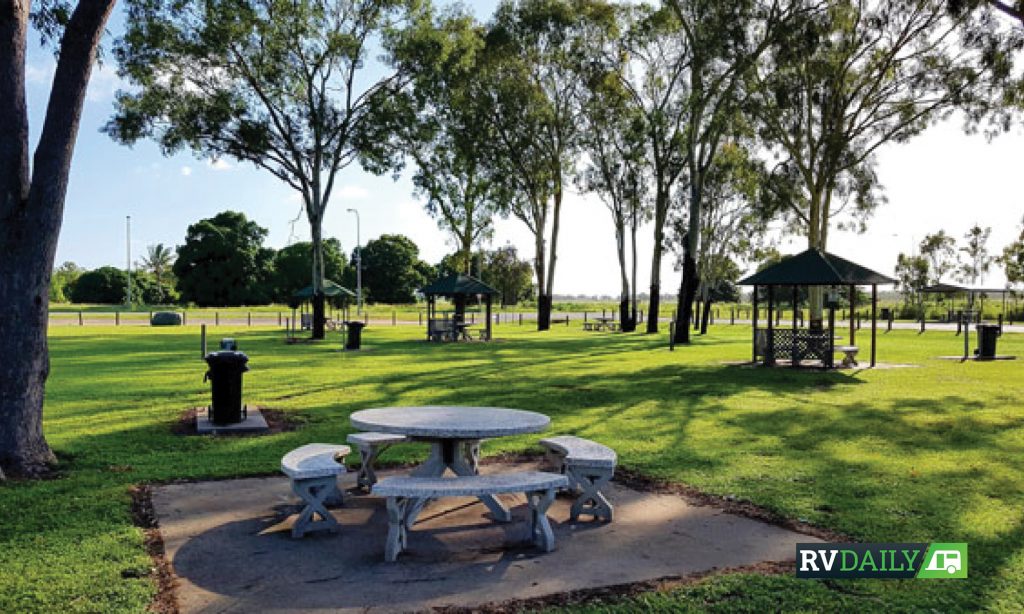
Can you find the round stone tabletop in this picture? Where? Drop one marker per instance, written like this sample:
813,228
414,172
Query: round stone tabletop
450,422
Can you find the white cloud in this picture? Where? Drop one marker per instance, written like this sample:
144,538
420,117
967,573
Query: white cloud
353,192
186,171
41,73
219,165
103,83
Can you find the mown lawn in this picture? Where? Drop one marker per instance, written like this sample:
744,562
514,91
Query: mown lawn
933,453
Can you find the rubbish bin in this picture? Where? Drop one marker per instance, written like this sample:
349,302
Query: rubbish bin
225,375
886,314
354,336
987,335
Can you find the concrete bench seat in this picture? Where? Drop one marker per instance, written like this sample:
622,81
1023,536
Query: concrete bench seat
370,447
849,354
313,470
589,466
403,492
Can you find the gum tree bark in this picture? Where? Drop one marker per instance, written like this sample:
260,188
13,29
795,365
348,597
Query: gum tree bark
31,213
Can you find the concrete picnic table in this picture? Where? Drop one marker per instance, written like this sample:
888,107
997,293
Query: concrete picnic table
454,434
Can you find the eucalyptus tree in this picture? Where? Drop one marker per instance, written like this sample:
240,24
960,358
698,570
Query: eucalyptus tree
731,226
439,125
616,168
32,207
616,172
977,259
725,41
940,251
1012,259
529,83
652,61
282,84
847,80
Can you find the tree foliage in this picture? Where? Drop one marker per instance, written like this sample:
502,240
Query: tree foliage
223,262
529,82
281,84
1012,259
940,251
444,129
505,272
977,261
392,270
291,268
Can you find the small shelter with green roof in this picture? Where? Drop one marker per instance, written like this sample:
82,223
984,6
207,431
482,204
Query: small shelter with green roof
812,267
459,288
332,290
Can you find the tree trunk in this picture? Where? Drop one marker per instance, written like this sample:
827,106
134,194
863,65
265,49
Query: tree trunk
540,270
633,225
660,214
318,299
31,213
705,316
552,256
625,324
815,294
543,312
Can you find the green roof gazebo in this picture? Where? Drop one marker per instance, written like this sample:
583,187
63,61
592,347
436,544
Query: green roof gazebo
299,297
331,289
812,267
459,288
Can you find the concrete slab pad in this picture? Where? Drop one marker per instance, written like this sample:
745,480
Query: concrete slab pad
254,423
229,544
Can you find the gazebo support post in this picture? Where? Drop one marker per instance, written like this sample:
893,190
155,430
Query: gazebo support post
830,357
769,358
489,318
754,323
874,321
853,321
796,295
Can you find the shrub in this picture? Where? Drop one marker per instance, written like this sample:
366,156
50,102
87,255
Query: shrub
165,318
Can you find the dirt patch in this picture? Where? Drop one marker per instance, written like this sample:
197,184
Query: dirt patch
278,421
144,517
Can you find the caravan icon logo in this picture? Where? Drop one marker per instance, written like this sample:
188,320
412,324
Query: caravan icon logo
931,561
945,561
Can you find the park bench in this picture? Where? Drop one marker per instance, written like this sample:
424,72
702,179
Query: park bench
370,447
404,492
441,330
589,466
589,326
313,470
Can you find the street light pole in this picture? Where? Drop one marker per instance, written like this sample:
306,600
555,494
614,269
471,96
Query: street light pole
359,266
128,245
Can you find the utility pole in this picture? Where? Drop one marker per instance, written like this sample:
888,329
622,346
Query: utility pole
128,242
359,266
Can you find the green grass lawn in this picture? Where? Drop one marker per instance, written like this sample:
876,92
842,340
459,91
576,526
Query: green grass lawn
934,453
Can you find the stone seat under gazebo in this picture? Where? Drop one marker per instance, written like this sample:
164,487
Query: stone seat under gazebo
807,346
459,288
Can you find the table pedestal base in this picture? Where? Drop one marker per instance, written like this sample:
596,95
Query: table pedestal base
461,457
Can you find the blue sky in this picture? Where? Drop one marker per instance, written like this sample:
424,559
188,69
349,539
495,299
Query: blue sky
942,179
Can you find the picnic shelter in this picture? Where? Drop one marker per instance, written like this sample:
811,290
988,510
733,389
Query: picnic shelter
813,267
460,289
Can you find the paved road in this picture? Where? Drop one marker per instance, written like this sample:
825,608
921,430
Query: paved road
264,319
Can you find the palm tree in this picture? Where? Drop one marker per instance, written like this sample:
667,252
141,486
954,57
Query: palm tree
158,261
